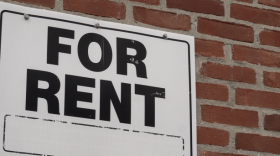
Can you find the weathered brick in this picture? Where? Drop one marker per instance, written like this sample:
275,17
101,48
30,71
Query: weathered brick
103,8
212,136
255,142
255,15
231,73
201,6
246,1
208,153
162,18
274,3
226,30
256,56
211,91
151,2
248,97
272,122
271,79
269,37
224,115
209,48
45,3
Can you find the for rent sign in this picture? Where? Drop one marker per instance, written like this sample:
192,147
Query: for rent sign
77,86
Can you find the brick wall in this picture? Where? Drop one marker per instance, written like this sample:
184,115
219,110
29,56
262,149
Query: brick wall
237,63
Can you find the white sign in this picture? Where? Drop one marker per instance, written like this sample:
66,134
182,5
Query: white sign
69,87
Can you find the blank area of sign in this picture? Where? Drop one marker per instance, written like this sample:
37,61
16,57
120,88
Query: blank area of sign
37,136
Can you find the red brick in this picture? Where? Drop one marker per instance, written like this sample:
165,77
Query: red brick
255,142
256,56
269,37
45,3
212,136
214,7
208,153
211,91
246,1
224,115
271,79
231,73
209,48
274,3
151,2
255,15
256,98
226,30
96,7
162,18
272,122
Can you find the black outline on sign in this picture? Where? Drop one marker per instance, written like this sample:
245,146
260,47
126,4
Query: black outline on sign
77,124
125,31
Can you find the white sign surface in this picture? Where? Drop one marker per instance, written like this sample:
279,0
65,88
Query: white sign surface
70,88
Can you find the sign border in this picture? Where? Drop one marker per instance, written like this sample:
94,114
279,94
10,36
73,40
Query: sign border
112,29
